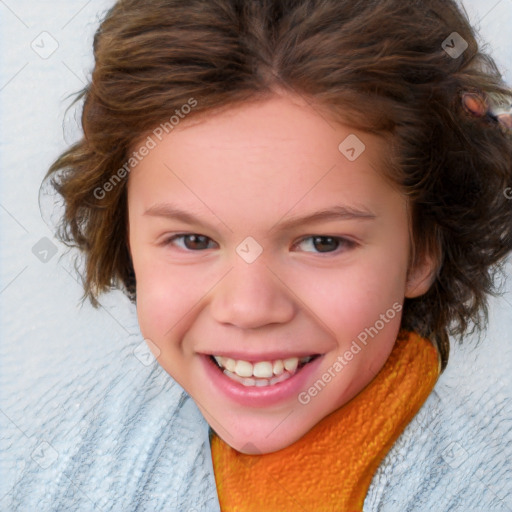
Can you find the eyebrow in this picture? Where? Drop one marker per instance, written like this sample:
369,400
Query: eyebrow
339,212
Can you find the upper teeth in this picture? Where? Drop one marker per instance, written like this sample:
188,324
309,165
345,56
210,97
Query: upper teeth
263,369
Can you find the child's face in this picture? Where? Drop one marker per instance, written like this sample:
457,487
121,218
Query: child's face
247,173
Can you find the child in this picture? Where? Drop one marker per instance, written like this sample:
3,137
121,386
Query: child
305,199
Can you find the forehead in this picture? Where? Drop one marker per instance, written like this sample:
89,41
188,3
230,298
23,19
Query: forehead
277,152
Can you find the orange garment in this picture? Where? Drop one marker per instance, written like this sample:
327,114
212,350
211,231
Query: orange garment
331,467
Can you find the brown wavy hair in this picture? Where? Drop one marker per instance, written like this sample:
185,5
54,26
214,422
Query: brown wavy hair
376,65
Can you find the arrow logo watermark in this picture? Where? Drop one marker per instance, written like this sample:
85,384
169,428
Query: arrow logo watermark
45,45
45,455
352,147
147,352
454,455
454,45
44,250
249,250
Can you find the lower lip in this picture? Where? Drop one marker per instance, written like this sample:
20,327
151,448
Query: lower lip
253,396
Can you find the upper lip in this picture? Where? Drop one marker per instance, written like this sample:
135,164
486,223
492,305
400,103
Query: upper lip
268,356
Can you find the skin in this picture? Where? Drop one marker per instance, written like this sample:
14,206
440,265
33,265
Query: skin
242,173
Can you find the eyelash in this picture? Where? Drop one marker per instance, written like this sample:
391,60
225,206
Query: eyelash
347,243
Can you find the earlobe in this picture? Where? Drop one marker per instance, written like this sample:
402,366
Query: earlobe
421,278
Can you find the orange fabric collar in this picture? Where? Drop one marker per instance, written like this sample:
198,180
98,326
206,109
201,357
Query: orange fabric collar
331,466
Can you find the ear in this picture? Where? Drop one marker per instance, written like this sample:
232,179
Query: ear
421,277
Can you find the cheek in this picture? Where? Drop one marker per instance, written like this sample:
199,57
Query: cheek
169,296
163,297
349,299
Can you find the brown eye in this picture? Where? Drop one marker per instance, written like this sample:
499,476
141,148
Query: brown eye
196,242
326,244
190,241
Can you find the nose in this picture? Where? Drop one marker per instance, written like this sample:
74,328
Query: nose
252,295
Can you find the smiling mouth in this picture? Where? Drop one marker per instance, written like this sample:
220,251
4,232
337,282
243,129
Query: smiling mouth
263,373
